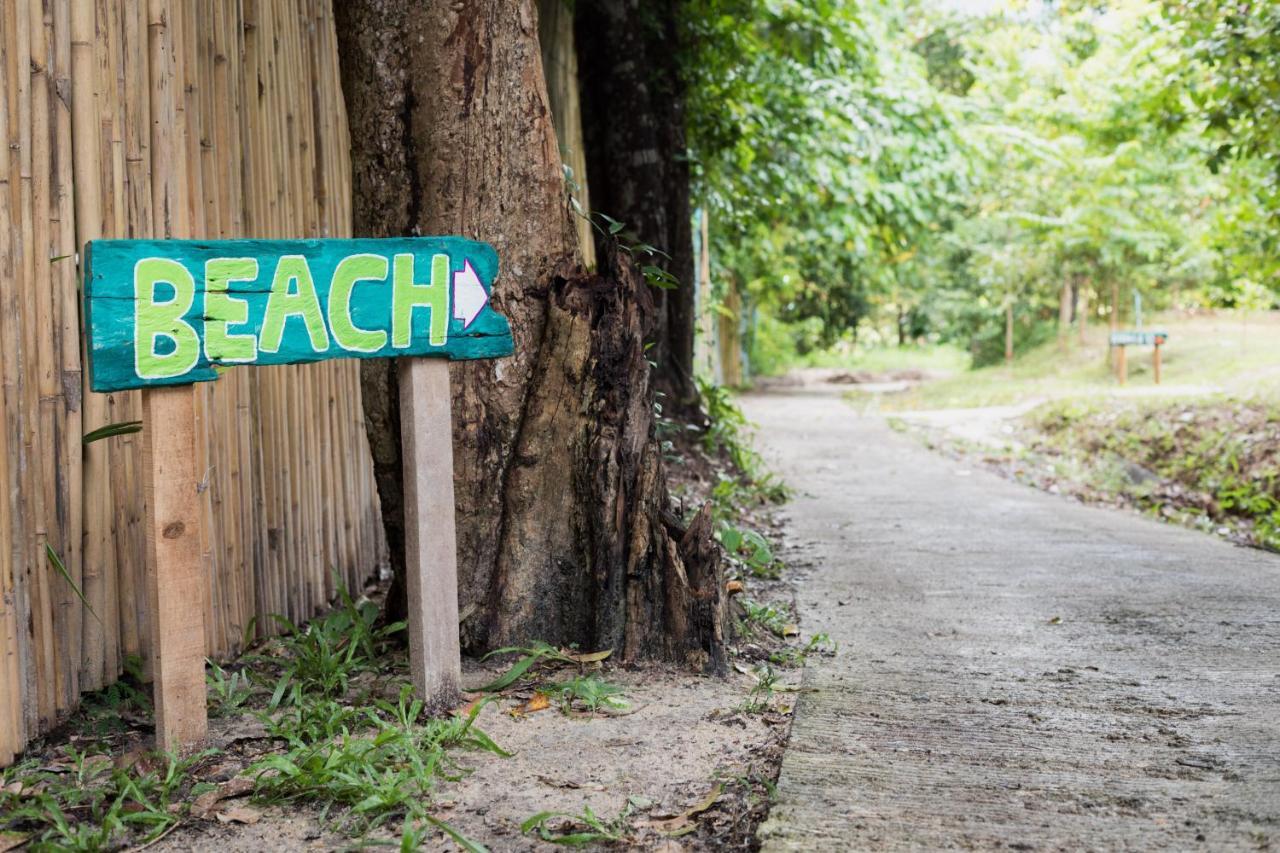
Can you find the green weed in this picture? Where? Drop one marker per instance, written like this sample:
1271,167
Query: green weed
324,656
577,830
791,656
726,432
766,616
228,691
379,762
95,805
749,550
103,711
760,699
589,693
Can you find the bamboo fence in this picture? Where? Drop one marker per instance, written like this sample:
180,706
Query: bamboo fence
560,70
206,119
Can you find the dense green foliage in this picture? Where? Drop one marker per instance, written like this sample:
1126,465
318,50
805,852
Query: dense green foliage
821,157
895,171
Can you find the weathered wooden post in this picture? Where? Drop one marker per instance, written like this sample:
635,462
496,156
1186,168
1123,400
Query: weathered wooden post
162,314
1155,360
430,547
1122,363
175,584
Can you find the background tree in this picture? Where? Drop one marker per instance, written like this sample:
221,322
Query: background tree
564,528
633,106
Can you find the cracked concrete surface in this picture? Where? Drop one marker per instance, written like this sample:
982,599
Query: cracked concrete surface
1016,670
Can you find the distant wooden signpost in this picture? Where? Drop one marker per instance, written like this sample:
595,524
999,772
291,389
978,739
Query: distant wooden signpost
161,313
1122,340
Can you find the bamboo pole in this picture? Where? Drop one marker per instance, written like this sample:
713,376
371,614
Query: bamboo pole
138,221
111,69
42,341
69,616
96,456
12,722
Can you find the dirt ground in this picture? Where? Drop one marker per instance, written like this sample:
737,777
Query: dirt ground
1016,670
685,739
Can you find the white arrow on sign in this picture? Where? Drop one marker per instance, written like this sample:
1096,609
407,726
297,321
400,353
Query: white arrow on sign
469,296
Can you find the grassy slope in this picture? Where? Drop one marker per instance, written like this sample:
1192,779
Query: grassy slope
1215,354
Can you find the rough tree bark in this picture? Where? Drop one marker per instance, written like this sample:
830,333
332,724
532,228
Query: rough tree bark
633,109
564,530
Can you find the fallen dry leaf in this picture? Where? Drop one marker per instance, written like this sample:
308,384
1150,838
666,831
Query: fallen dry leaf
733,587
130,758
682,823
789,630
538,702
589,657
204,804
567,783
239,814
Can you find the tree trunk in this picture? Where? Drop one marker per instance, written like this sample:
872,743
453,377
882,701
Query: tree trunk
564,531
1082,310
1113,322
633,98
1064,313
1008,333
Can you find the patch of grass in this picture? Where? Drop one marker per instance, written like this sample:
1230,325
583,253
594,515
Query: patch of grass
942,358
588,693
365,761
381,763
766,616
760,699
1225,351
531,658
104,712
228,690
577,830
323,656
748,483
791,656
748,551
90,804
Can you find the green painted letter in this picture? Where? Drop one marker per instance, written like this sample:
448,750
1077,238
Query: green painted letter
406,295
285,302
153,320
345,332
221,310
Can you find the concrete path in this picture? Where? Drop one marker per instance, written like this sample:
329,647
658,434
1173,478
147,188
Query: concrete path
1015,670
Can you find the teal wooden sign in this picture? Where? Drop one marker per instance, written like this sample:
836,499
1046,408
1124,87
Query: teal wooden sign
1138,339
171,312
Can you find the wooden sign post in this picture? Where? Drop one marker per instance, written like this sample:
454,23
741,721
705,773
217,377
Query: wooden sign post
1120,341
164,313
